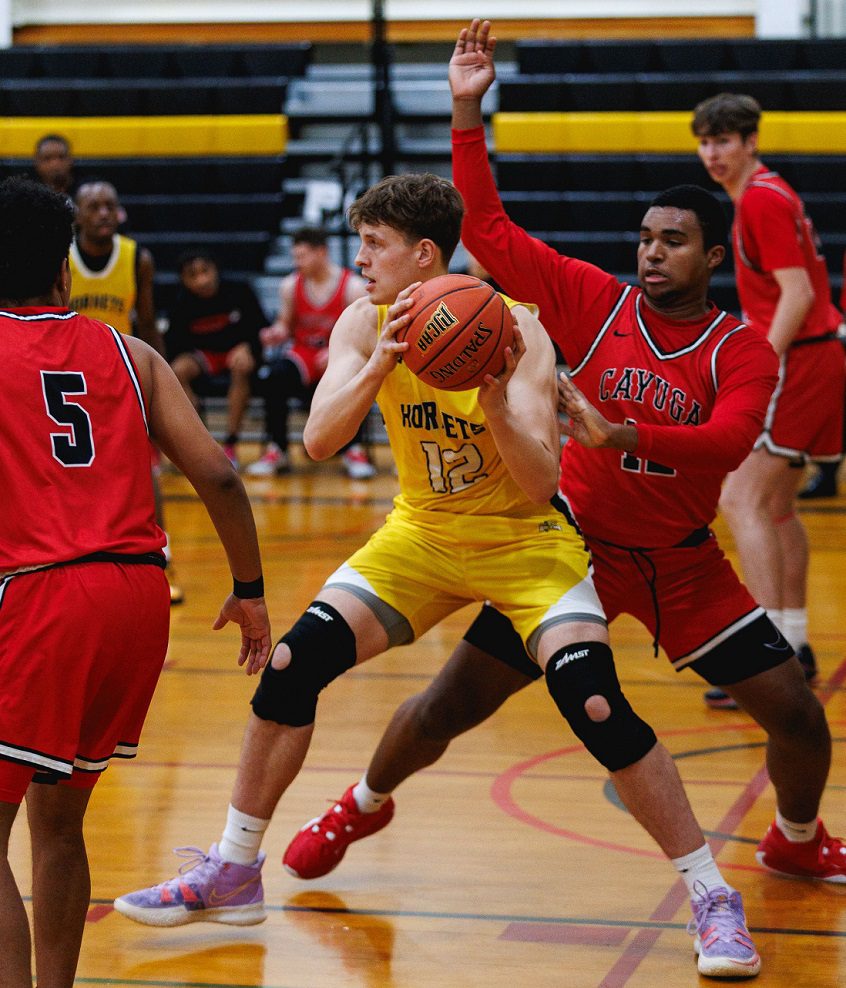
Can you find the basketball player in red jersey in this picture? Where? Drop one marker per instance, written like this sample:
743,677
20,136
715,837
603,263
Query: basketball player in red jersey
312,299
682,390
784,290
83,599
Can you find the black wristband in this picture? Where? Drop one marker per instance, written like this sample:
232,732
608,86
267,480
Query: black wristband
248,589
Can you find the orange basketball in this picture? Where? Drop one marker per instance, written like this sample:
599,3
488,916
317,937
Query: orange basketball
458,331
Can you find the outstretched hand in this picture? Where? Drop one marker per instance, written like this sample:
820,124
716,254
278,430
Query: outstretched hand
587,425
251,616
494,388
471,68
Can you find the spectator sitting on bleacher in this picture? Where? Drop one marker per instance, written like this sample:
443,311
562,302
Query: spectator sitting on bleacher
213,337
311,299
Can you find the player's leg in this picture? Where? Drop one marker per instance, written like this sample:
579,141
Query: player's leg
187,368
486,667
793,542
241,364
581,679
469,688
15,970
353,618
798,757
61,882
279,381
746,503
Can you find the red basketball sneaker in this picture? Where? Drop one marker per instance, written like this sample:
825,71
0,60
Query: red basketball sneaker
323,841
823,858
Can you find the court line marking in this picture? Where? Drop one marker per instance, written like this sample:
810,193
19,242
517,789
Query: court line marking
676,896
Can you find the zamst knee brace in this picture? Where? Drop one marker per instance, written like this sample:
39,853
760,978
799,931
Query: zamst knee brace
586,669
322,647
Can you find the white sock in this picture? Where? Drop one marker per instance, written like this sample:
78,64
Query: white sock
366,799
796,833
794,626
242,837
776,615
700,867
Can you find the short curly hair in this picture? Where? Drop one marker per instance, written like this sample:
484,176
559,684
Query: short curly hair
36,229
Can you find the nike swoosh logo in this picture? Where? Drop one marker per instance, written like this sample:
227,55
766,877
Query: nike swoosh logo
216,900
779,645
621,334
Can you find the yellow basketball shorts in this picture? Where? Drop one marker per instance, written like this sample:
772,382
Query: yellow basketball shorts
425,565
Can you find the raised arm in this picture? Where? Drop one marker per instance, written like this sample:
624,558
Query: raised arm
471,73
563,288
177,429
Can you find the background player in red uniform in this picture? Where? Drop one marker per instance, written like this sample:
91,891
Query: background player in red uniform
784,290
682,389
83,605
311,300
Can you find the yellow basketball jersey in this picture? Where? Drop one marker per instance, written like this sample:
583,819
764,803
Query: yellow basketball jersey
108,295
445,455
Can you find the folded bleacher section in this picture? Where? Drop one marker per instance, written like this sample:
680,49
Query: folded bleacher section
589,202
192,137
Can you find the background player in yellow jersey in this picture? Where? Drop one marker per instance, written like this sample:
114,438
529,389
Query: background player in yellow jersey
472,521
112,280
112,275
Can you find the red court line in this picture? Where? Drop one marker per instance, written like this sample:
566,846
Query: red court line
643,942
96,913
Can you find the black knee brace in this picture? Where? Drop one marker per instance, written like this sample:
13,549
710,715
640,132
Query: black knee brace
577,672
322,647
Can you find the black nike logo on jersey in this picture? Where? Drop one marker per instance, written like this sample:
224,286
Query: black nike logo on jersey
617,333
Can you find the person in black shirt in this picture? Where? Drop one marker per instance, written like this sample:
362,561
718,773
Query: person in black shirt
214,335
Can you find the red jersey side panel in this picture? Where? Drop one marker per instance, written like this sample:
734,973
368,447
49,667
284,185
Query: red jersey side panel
771,232
73,433
312,324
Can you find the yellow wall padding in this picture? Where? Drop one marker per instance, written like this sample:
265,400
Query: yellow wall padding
797,132
155,137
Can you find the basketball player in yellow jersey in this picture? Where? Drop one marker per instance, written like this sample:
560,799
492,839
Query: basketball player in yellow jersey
112,280
111,276
472,522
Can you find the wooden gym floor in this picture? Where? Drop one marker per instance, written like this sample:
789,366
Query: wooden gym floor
510,863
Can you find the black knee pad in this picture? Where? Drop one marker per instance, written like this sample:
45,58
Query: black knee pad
579,671
322,647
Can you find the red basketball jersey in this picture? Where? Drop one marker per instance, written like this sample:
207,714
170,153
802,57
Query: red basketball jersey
313,324
770,232
73,442
653,372
698,391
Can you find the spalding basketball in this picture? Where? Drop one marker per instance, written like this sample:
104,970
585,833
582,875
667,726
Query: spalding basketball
458,332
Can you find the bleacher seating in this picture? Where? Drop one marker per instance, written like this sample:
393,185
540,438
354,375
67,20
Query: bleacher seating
231,204
589,204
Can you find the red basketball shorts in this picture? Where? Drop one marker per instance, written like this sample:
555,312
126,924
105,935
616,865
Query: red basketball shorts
805,417
81,649
689,599
213,362
311,361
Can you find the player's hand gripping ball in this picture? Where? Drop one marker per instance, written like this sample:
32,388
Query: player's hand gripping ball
457,334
